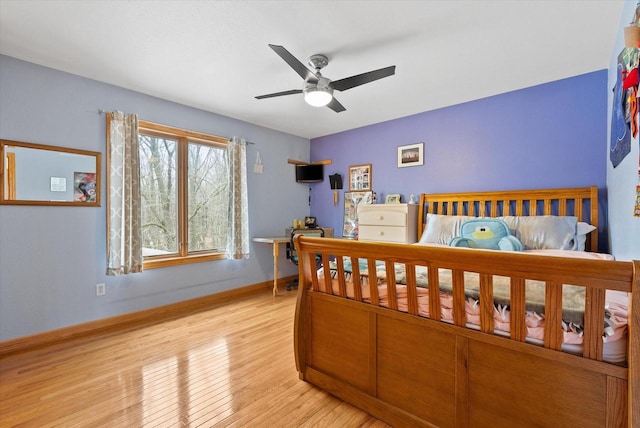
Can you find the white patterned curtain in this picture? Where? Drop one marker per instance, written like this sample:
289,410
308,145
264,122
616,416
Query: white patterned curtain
125,234
238,231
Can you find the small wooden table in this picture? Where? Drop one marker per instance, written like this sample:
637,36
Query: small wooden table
275,241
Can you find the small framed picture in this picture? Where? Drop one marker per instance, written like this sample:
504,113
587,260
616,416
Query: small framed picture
393,198
58,184
360,178
411,155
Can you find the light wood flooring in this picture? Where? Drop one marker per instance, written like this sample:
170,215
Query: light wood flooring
229,366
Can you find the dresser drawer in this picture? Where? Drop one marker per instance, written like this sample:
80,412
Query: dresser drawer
382,233
382,218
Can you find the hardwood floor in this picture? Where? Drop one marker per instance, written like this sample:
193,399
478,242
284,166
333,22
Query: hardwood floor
229,366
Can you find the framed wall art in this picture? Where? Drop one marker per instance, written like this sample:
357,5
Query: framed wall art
360,178
411,155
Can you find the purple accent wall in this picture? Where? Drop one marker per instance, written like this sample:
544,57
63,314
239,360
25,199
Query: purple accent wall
547,136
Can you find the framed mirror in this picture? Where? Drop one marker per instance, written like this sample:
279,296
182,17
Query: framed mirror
37,174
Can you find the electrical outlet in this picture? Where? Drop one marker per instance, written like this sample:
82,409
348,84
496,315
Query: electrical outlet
101,290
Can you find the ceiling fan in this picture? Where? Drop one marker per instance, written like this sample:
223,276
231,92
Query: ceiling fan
318,90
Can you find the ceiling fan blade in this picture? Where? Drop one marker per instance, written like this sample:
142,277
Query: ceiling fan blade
336,106
294,63
361,79
279,94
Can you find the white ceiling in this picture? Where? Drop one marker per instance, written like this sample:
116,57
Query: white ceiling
213,55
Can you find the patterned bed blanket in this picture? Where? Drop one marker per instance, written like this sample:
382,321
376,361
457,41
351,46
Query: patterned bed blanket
573,298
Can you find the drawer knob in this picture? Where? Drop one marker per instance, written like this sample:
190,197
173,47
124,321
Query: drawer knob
381,217
381,233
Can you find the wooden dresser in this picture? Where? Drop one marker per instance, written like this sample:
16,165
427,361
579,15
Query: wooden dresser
388,223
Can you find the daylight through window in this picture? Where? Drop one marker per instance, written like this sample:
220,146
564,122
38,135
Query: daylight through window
184,195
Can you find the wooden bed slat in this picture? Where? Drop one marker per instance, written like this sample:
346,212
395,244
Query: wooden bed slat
578,208
373,287
315,284
518,207
593,319
355,277
517,308
391,286
434,293
412,291
327,278
482,208
459,314
553,316
342,283
486,303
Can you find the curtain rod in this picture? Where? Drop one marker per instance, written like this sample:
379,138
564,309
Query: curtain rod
102,111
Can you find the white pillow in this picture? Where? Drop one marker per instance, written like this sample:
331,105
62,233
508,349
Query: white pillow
441,229
544,232
535,232
582,231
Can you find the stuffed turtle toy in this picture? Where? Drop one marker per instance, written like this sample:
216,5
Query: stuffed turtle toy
486,233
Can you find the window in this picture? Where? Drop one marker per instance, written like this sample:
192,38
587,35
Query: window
184,195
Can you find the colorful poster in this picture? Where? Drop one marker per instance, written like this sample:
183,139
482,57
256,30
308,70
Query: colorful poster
351,202
84,187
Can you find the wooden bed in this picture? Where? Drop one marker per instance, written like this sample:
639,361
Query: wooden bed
411,370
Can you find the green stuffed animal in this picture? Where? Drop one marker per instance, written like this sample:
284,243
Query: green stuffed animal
487,233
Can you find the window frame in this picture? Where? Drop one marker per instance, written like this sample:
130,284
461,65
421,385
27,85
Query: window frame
183,138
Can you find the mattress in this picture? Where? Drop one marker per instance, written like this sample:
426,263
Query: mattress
614,325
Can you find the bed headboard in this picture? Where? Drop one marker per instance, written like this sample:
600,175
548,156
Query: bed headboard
581,202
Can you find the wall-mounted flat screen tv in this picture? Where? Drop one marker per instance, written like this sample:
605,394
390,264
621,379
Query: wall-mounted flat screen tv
309,173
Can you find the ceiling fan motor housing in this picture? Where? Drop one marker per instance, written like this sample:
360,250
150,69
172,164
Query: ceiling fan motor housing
318,61
321,85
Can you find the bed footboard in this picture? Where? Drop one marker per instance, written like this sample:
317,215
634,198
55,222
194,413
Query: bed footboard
411,370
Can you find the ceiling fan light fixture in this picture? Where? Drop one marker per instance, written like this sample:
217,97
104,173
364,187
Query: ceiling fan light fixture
318,94
317,97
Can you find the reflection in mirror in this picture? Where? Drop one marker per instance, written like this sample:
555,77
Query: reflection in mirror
37,174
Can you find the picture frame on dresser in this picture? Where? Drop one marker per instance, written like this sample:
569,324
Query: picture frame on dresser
360,178
392,198
411,155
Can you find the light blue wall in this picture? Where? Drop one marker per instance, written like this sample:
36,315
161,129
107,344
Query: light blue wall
622,180
52,257
546,136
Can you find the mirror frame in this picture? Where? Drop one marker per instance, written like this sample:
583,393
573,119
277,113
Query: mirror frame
5,201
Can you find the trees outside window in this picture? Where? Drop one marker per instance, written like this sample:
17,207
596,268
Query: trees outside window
184,192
